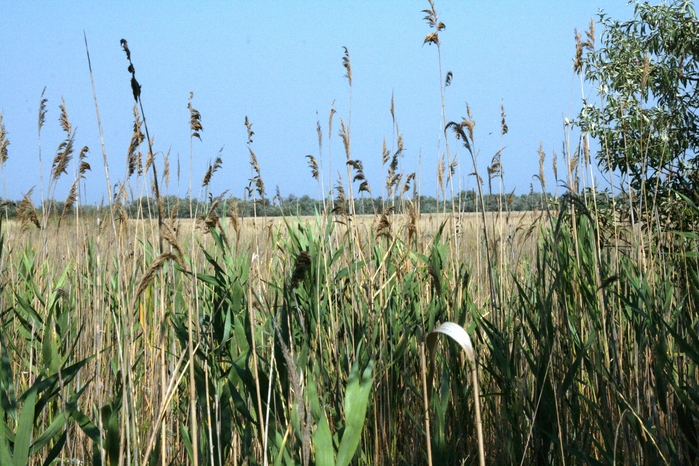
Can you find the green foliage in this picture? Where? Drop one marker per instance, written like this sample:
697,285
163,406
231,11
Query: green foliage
646,72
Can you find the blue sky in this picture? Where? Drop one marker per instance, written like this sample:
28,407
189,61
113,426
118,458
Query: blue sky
280,64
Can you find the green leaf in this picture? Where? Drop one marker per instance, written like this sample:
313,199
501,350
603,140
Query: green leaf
322,437
5,455
25,428
57,448
51,432
356,402
323,444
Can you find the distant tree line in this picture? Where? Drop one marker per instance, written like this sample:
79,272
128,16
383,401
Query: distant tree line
292,205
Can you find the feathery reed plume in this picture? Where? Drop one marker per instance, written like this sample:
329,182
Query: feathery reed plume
447,80
344,134
212,169
150,274
590,33
41,121
406,185
340,206
42,110
440,174
347,65
554,163
581,45
150,160
235,218
359,175
64,153
135,87
83,167
432,19
174,210
313,165
134,156
63,119
466,136
503,126
4,142
256,179
27,212
169,234
413,217
248,126
195,126
383,229
542,159
393,177
577,61
211,220
330,118
166,169
495,168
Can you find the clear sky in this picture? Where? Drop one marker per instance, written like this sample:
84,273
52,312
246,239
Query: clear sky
280,64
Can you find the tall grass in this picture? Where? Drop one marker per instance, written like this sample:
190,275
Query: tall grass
155,340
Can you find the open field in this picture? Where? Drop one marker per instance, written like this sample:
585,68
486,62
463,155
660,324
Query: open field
564,336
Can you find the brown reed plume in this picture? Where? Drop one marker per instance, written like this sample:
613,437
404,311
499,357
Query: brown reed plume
26,212
83,167
134,156
136,89
383,229
210,220
542,158
166,169
64,153
195,126
212,169
256,180
495,169
359,176
340,204
234,218
346,63
313,165
393,177
432,19
4,142
581,46
406,185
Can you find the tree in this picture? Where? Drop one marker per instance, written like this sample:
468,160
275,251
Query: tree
646,74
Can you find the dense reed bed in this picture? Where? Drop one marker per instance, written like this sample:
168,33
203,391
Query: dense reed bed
221,340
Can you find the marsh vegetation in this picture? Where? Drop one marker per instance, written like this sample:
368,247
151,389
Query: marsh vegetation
133,336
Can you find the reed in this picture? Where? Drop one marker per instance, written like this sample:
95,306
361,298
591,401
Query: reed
235,338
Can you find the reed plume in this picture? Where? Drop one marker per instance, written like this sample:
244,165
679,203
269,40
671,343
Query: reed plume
4,142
